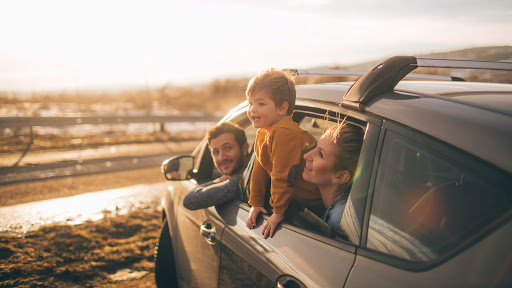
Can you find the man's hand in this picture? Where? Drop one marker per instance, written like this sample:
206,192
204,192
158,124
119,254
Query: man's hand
253,216
271,225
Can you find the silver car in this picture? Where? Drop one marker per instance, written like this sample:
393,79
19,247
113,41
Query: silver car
430,206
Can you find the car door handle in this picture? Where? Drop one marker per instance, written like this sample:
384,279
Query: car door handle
287,281
208,231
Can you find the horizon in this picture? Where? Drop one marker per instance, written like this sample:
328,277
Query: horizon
74,45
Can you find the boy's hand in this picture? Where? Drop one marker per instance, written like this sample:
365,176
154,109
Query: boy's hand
271,225
253,216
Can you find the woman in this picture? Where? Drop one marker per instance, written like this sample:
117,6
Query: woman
332,165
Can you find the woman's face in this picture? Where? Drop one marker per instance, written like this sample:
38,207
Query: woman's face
320,162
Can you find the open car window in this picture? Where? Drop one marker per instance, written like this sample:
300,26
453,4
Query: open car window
313,220
304,218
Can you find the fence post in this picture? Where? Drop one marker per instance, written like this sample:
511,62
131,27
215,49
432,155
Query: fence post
28,146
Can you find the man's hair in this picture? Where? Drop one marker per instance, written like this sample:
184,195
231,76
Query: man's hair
279,85
227,127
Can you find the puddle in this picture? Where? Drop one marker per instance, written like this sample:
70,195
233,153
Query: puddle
127,274
19,219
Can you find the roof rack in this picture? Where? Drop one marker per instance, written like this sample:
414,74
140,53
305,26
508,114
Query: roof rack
464,64
337,72
386,75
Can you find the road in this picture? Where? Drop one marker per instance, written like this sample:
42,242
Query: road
79,167
48,164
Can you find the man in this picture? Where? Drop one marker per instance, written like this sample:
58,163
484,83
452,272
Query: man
229,149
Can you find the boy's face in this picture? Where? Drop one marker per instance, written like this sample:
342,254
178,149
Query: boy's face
263,112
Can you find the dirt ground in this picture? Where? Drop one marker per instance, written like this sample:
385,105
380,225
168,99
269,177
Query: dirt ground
29,191
116,251
68,186
58,266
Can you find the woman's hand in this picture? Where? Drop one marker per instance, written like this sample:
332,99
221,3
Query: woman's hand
271,225
253,216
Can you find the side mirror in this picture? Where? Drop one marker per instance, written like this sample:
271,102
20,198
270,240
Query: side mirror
178,168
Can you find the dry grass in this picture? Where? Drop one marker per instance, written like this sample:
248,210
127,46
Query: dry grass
84,255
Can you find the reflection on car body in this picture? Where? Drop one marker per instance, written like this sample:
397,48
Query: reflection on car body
391,240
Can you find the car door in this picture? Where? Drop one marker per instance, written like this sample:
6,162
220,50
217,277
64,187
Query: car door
437,218
302,253
294,257
195,234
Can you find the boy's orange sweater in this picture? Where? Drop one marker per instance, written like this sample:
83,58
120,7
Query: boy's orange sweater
277,150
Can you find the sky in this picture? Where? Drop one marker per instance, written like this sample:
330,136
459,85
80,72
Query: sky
71,45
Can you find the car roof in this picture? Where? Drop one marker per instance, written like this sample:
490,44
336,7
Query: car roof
490,96
475,117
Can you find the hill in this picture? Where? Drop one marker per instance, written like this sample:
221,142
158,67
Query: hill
491,53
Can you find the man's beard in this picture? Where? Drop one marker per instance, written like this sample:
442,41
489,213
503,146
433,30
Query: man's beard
239,165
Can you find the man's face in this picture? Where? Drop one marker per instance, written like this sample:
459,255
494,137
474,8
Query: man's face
227,154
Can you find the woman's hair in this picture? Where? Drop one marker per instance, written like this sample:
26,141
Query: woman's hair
348,139
280,85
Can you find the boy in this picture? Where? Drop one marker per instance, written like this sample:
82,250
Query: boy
279,148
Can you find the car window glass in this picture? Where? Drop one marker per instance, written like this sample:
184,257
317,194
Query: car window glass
250,133
203,163
427,202
315,126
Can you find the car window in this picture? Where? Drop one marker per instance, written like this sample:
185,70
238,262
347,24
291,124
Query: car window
316,126
312,219
250,133
304,218
203,163
428,199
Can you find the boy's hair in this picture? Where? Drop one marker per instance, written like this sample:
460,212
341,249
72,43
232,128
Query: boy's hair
227,127
279,85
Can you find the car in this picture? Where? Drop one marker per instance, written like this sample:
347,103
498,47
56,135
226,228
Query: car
430,206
